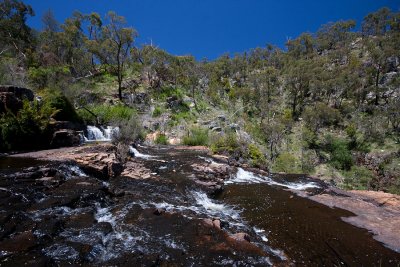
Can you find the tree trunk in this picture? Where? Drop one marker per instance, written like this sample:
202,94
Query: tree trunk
377,86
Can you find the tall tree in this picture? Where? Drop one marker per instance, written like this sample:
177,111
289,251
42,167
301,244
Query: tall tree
15,34
113,46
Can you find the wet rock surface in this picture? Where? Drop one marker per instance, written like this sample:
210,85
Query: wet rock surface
378,212
169,207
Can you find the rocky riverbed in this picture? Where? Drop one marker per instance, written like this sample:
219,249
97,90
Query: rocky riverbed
172,206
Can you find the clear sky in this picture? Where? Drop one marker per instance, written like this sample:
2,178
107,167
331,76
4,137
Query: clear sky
209,28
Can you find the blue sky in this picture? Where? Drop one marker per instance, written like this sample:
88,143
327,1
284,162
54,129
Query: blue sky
209,28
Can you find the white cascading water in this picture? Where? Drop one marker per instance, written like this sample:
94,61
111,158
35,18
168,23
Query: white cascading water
246,177
96,134
137,154
110,131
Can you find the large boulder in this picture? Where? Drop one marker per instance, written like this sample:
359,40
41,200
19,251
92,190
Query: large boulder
11,98
19,92
65,138
8,101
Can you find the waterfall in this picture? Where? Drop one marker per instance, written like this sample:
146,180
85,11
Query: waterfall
100,134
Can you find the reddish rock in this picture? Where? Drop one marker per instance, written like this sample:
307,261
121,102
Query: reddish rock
217,224
208,222
378,212
240,237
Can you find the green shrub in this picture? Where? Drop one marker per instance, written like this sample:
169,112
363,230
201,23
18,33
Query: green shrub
106,114
357,141
168,91
392,171
130,130
66,111
157,112
256,156
308,159
341,157
197,137
176,118
358,177
40,77
182,108
28,129
161,139
309,138
226,143
320,115
286,163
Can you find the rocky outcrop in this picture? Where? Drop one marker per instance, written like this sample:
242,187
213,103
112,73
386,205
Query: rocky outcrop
378,212
97,160
11,98
100,165
19,92
211,175
373,160
65,138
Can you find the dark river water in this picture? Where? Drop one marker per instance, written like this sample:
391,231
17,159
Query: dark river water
53,214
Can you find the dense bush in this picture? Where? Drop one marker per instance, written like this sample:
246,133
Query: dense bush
309,138
320,115
341,157
161,139
357,141
358,177
106,114
56,100
256,157
168,91
286,163
157,112
130,130
308,161
28,129
225,143
41,77
196,137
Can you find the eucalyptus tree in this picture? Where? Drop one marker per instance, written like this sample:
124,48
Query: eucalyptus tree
265,84
297,83
156,65
335,35
113,45
15,34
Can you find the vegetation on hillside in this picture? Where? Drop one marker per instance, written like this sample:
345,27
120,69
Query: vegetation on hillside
328,104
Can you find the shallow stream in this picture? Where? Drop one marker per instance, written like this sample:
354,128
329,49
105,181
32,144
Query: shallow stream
63,216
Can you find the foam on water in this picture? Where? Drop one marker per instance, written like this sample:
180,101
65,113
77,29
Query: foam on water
247,177
71,171
61,252
204,207
209,160
260,233
137,154
121,239
62,211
